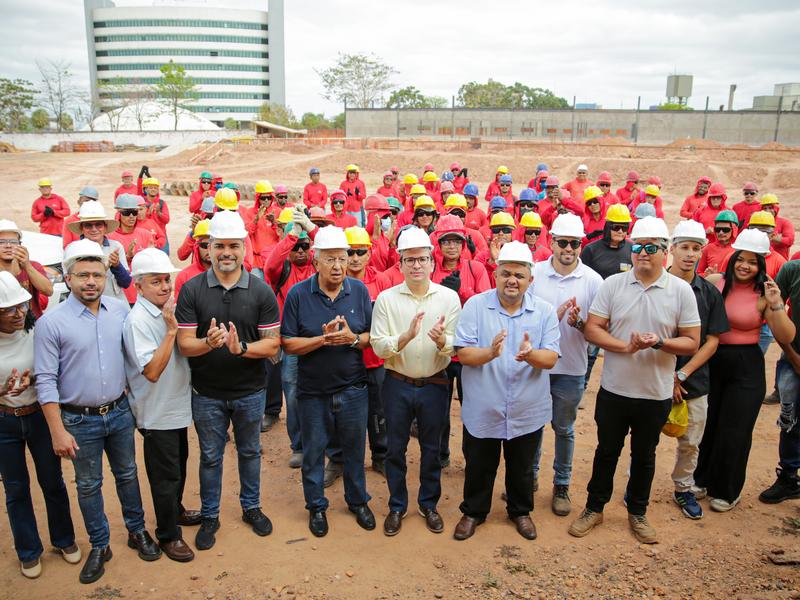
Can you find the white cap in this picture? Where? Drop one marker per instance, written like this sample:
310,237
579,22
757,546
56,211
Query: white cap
330,238
151,261
752,240
82,249
11,292
567,225
413,237
6,225
650,227
689,230
515,252
91,210
227,225
582,167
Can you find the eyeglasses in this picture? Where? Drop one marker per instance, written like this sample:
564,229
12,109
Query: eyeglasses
458,212
421,261
331,260
23,308
749,193
619,228
648,248
722,229
574,244
301,246
533,231
506,230
203,245
423,213
357,251
451,241
129,212
10,243
84,275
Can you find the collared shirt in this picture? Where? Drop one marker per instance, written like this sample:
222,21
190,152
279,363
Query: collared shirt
78,355
661,308
330,369
166,403
16,352
605,260
394,310
582,284
504,398
118,276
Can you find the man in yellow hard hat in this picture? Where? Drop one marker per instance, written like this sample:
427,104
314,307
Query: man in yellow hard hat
782,237
49,209
356,192
149,188
501,228
201,259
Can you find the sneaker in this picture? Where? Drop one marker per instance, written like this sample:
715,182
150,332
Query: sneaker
720,505
784,488
205,538
587,521
773,398
71,554
642,530
296,460
31,569
688,504
258,521
332,472
561,504
267,421
699,492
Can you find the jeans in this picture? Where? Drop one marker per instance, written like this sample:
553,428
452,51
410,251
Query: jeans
566,391
165,454
789,444
689,444
592,352
765,338
274,390
15,434
453,371
345,416
289,384
211,418
112,433
403,402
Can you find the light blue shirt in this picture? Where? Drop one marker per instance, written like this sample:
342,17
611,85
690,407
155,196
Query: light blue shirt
78,356
505,399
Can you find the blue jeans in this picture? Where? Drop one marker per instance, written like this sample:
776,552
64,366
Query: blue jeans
15,434
765,338
112,433
592,352
289,384
343,415
428,404
211,419
567,391
789,420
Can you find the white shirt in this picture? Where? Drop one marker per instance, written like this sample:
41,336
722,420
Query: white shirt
16,352
112,288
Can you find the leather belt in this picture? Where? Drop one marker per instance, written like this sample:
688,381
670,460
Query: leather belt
20,411
92,410
439,378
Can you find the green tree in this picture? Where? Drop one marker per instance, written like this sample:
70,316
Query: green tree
40,120
411,97
16,99
277,114
176,90
337,121
231,123
494,94
357,80
311,120
65,123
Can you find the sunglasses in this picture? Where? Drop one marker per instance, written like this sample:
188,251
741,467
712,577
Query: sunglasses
648,248
574,244
590,202
301,246
722,229
129,212
526,204
505,185
205,181
204,245
603,185
506,230
458,212
337,201
357,251
423,213
749,193
282,197
620,228
533,231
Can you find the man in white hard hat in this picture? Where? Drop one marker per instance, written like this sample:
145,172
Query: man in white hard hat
326,321
505,339
577,186
570,286
15,259
228,326
80,380
161,396
412,330
643,319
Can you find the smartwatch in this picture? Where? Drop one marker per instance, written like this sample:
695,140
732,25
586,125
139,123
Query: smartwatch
681,376
659,344
244,349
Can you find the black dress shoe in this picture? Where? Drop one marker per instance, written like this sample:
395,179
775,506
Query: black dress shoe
147,547
189,518
318,523
364,516
393,523
93,568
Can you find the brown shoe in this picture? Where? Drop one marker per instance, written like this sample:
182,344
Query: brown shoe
466,527
189,517
587,521
393,522
642,530
525,526
177,550
432,519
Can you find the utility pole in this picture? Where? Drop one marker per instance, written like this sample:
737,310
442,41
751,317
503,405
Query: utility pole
705,119
730,96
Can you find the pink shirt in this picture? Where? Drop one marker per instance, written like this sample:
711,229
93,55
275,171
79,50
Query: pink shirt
744,317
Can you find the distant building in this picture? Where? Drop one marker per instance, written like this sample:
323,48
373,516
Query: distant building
785,95
587,106
236,57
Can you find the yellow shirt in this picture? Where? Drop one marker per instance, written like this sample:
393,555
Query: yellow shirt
394,310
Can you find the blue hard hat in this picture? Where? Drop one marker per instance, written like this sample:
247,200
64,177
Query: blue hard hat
497,202
541,167
645,210
505,179
447,176
471,190
313,171
528,194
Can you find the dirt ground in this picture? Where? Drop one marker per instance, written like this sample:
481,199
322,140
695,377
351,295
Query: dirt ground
723,555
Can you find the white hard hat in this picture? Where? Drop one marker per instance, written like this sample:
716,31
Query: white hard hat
6,225
413,237
689,230
330,238
151,261
82,249
515,252
567,225
227,225
650,228
582,167
11,292
91,210
752,240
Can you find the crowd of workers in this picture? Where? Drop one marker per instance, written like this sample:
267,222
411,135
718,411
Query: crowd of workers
366,314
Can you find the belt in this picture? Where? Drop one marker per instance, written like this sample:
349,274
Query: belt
20,411
439,378
92,410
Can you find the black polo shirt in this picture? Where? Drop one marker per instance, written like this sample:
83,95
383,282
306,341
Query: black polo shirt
251,306
329,369
713,321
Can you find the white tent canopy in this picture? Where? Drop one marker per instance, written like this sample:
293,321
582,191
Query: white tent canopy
154,116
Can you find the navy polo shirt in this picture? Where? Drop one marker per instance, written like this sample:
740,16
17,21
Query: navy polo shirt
330,369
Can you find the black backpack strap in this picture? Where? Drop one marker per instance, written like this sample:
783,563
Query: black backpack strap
285,272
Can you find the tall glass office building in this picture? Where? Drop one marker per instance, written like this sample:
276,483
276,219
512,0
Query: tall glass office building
236,57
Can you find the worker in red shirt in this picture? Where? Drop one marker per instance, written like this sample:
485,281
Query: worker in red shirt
714,204
716,253
552,192
494,188
631,185
528,201
476,218
380,229
201,257
127,187
262,226
532,232
87,193
293,254
432,186
149,188
694,202
356,192
204,190
389,186
337,215
650,195
49,209
749,205
577,186
456,205
460,177
504,183
501,226
594,217
315,193
782,237
538,181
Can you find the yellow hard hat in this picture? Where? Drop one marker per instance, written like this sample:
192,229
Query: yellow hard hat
592,192
226,199
352,167
357,236
45,182
652,190
618,213
201,229
424,202
286,216
417,188
456,200
502,169
768,199
429,176
531,220
410,179
148,181
501,218
264,187
762,217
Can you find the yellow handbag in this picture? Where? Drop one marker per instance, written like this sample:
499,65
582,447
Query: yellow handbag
678,420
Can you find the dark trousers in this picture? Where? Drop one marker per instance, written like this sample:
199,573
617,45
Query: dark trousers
454,376
615,416
482,456
738,385
165,454
403,403
274,390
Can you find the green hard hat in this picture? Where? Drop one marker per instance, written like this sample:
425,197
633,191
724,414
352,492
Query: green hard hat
394,203
300,236
727,216
231,185
206,175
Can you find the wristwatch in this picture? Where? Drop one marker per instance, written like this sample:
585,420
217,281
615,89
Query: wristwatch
659,344
681,376
244,349
356,342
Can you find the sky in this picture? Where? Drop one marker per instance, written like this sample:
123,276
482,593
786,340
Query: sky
605,51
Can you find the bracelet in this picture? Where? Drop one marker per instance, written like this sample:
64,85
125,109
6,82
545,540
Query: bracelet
777,308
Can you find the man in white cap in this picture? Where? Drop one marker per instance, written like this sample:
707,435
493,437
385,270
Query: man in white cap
15,259
228,326
326,321
577,186
412,330
161,396
505,340
643,319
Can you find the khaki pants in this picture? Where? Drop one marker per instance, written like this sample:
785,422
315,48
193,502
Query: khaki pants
688,444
